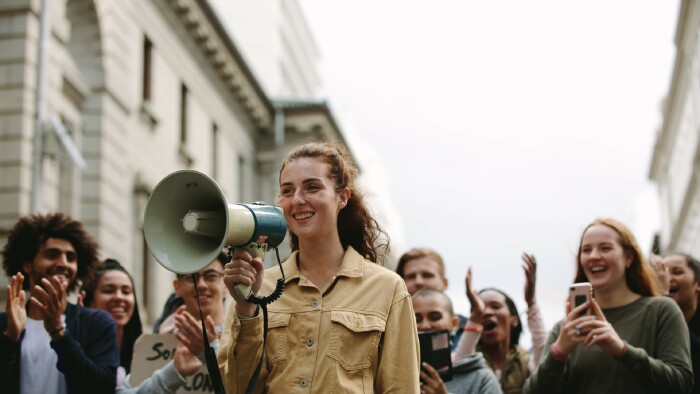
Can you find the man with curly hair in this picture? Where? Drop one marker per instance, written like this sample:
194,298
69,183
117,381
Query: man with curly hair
47,344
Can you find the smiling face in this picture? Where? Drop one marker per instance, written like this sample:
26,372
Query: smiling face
114,293
496,319
602,258
211,290
684,287
433,313
422,273
56,257
309,200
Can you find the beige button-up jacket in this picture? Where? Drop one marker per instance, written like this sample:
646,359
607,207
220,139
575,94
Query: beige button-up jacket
356,336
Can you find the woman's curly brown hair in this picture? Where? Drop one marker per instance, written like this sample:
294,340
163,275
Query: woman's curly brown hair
30,232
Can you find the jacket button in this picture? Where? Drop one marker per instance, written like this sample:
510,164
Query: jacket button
309,341
315,304
303,383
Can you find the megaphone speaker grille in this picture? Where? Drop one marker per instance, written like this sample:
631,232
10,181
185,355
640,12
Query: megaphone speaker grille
173,198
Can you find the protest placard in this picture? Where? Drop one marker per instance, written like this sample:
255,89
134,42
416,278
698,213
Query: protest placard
154,351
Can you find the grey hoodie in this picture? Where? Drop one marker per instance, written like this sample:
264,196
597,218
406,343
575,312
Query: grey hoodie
470,375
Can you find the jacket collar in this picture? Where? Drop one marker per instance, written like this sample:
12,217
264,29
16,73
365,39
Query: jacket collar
351,266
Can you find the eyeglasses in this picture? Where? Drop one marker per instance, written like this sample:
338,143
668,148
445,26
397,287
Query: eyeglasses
210,278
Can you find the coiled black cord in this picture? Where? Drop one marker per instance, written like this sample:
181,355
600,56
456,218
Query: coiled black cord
272,297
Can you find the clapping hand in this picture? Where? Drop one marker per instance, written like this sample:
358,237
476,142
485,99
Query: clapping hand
189,330
15,307
186,363
50,300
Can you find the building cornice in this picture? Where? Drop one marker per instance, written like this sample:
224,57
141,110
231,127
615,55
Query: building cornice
295,109
210,35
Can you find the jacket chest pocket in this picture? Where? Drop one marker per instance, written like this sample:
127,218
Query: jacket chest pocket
354,338
276,343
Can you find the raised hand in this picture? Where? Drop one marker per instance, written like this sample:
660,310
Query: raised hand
50,300
657,263
189,330
432,382
247,270
476,302
15,308
530,268
186,363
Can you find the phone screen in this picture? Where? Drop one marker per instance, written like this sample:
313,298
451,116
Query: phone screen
580,294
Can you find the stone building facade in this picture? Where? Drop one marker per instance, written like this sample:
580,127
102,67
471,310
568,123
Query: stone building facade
143,88
675,164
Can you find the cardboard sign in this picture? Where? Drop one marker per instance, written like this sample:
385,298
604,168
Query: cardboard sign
152,352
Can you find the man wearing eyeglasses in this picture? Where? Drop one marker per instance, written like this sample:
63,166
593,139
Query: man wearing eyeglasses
210,288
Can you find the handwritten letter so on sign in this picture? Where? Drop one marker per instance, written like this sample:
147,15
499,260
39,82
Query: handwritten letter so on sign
152,352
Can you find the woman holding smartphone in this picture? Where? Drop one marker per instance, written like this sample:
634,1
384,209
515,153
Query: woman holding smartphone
343,323
631,341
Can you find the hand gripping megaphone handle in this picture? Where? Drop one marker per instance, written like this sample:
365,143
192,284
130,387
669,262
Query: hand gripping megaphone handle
255,250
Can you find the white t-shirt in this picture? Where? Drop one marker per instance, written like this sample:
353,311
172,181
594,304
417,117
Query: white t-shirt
38,372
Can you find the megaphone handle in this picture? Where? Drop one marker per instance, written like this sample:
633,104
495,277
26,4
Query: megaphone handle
255,250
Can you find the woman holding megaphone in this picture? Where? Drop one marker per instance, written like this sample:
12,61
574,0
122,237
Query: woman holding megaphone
343,322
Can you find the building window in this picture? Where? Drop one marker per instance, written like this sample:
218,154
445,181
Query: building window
214,150
69,184
183,114
147,66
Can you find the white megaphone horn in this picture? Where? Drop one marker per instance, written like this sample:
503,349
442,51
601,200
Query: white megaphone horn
187,223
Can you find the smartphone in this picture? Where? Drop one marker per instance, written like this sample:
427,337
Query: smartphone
580,293
435,350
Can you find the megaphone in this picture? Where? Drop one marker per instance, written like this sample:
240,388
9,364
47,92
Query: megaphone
187,223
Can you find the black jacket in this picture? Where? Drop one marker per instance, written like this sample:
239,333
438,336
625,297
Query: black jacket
88,354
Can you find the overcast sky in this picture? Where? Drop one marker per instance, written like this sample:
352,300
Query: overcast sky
502,127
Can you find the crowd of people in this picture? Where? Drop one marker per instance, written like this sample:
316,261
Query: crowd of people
344,323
